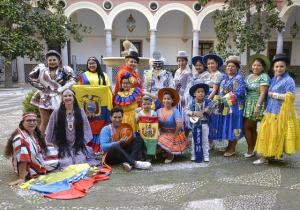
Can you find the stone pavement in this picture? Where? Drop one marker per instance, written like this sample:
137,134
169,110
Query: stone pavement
224,183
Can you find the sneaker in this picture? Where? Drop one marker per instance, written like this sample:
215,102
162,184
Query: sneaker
193,158
249,155
261,161
126,166
142,165
206,159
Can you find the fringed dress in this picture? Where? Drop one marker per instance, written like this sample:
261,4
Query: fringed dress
129,103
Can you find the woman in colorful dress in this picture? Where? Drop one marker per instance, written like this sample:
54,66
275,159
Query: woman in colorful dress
156,78
127,98
50,81
257,85
279,129
131,62
213,62
182,77
30,154
172,139
69,130
95,76
232,91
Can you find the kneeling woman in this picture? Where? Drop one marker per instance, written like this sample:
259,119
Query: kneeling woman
172,138
278,132
27,147
69,130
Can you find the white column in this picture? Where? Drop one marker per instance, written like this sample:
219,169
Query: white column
152,41
195,42
64,55
108,47
279,47
108,43
21,70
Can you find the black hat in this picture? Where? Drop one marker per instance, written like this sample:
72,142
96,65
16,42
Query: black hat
134,55
197,58
199,85
53,53
281,57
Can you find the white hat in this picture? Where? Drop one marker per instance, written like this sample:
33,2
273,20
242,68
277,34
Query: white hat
156,58
182,54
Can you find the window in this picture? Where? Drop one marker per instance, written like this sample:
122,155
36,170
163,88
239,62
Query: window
205,47
287,47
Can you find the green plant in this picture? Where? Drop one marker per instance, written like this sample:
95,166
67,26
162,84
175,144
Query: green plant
27,106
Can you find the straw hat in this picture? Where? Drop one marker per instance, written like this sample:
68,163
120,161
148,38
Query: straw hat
172,92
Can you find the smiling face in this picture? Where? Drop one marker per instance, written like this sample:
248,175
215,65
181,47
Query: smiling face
92,65
279,68
68,98
52,62
167,100
116,119
212,65
199,94
125,84
231,69
146,105
30,123
131,63
199,67
257,67
182,62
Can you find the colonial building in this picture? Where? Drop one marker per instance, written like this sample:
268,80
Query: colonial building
162,25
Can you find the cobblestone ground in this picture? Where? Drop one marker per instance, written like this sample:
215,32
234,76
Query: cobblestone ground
224,183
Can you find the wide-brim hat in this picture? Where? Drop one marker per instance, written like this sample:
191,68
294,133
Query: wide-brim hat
281,57
124,130
233,59
170,91
265,59
156,58
134,55
197,58
199,85
215,57
182,54
53,53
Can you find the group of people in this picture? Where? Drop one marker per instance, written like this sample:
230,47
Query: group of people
153,116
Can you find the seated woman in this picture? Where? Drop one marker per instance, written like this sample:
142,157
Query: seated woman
69,130
30,154
172,138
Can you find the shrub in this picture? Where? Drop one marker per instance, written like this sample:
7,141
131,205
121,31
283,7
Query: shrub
27,106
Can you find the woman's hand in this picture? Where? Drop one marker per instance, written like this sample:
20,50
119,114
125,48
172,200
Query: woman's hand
16,182
270,94
256,111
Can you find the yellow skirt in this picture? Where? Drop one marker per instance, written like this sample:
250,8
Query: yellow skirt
129,115
280,133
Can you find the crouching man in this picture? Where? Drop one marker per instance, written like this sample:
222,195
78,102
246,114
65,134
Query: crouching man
120,145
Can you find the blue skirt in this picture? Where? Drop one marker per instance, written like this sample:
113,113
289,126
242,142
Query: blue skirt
215,125
232,123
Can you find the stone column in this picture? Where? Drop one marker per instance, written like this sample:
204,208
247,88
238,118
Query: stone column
152,41
108,43
195,42
279,47
108,51
64,55
21,70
